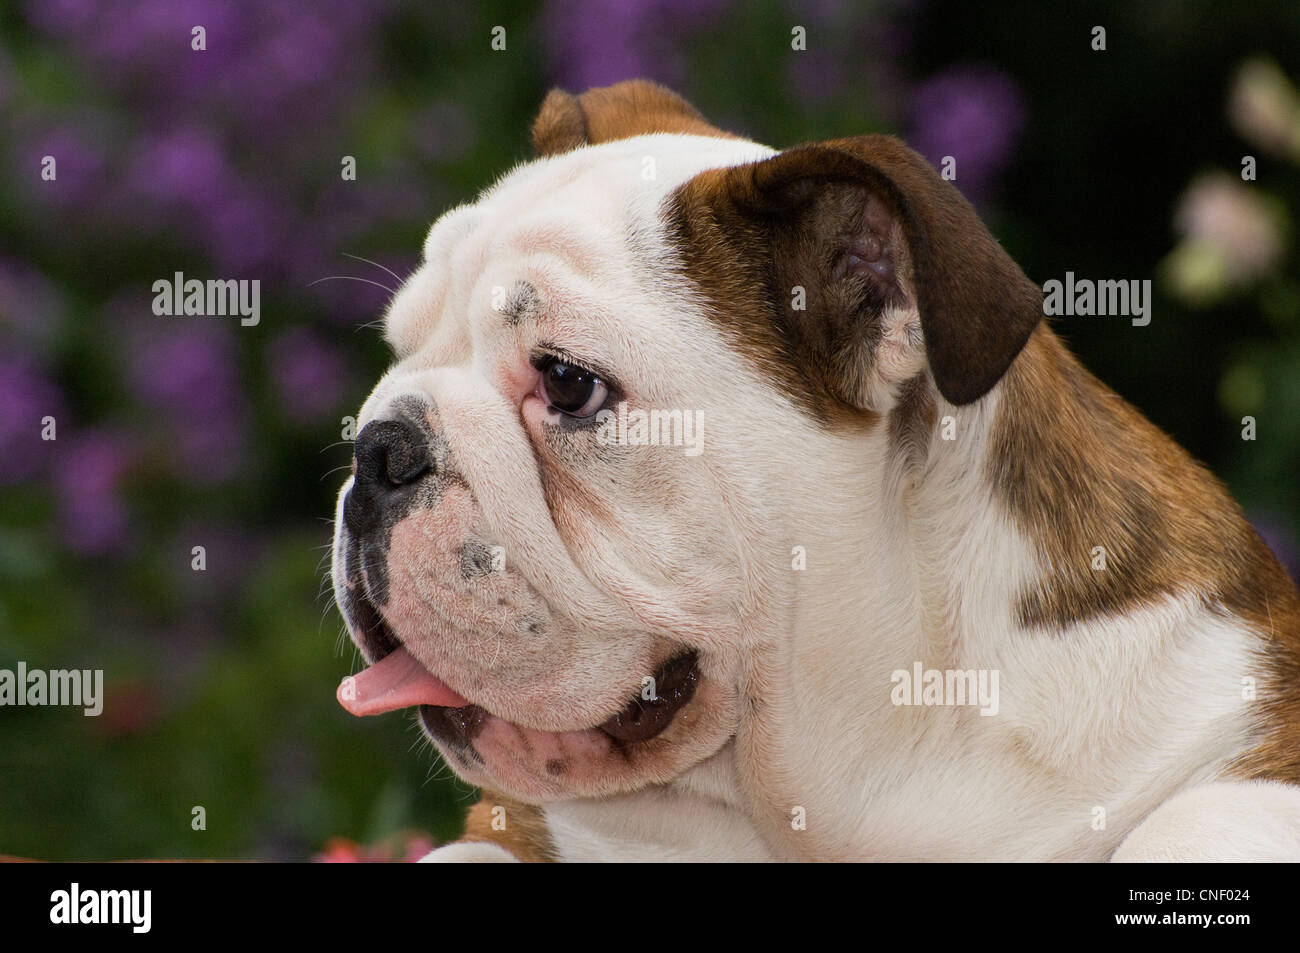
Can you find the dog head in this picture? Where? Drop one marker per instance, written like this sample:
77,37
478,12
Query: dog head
620,375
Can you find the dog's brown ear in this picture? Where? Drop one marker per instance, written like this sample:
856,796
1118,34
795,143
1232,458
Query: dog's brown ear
866,225
630,108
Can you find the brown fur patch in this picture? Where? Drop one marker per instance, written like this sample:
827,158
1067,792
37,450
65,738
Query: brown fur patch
1278,755
526,835
748,235
1078,467
911,422
630,108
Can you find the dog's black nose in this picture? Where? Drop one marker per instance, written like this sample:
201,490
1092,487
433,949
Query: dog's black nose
391,456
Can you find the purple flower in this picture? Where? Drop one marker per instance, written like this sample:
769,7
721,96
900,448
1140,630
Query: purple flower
598,42
88,472
243,233
815,76
180,179
281,63
26,397
310,375
974,114
132,38
180,166
185,368
187,375
79,164
233,131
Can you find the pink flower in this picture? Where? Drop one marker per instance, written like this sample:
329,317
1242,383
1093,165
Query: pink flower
1265,108
88,472
1233,221
405,847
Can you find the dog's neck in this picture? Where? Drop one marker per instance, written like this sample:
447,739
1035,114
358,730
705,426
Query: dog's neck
933,566
936,574
929,573
1056,531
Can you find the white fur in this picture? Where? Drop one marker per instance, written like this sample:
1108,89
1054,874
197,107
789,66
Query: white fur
697,819
470,852
1131,716
1227,822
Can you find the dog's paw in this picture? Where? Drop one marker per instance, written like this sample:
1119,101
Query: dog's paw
470,852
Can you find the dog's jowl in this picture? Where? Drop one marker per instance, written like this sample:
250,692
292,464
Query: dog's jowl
922,589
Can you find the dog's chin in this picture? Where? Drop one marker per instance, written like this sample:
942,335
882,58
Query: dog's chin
648,741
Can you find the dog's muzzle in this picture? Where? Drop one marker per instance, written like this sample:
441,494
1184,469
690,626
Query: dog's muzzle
400,467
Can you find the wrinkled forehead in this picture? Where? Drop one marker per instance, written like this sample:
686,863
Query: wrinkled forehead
587,214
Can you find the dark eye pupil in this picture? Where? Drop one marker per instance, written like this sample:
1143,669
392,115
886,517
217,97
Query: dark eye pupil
569,387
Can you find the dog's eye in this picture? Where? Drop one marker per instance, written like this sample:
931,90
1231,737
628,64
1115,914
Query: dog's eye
572,390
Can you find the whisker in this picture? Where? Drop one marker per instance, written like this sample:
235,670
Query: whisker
321,624
377,265
391,291
341,643
345,466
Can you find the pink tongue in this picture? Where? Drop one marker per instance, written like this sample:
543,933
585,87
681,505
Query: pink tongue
395,681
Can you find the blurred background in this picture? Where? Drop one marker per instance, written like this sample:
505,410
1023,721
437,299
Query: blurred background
226,163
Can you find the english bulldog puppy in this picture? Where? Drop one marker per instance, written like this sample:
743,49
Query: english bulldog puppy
918,586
